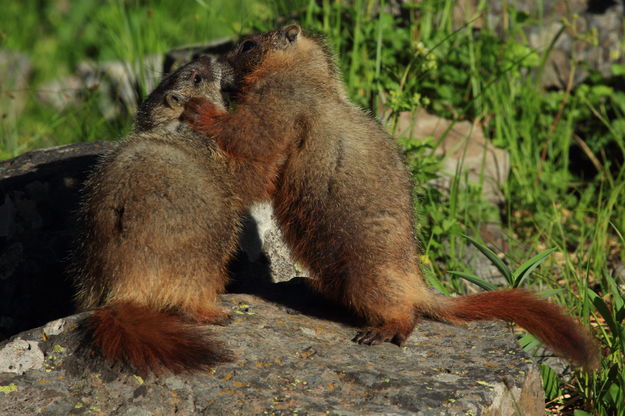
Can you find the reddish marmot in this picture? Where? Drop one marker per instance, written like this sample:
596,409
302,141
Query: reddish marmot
343,197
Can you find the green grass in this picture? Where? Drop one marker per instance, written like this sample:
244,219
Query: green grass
57,39
577,213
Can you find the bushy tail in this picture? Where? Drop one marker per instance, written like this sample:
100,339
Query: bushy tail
153,341
543,319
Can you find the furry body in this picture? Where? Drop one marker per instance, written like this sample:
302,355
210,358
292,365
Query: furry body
160,220
343,197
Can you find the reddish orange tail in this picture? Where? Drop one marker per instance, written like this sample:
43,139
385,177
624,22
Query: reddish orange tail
152,341
543,319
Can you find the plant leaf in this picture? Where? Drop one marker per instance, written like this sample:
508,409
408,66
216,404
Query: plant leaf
551,384
474,279
529,343
523,272
501,266
605,312
549,292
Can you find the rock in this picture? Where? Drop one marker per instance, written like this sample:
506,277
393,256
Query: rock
40,192
54,327
293,356
120,83
19,356
482,267
180,56
593,34
63,93
464,144
293,348
493,235
261,236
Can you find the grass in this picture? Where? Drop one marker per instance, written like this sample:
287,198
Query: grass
567,179
58,36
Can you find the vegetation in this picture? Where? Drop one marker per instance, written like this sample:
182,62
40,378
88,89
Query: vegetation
564,197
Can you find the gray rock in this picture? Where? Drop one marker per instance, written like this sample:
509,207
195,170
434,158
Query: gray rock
64,92
618,274
40,194
120,83
261,236
54,327
293,349
292,362
19,356
593,36
15,72
182,55
482,267
463,144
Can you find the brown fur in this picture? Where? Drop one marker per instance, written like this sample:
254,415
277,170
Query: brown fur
343,198
543,319
151,340
160,221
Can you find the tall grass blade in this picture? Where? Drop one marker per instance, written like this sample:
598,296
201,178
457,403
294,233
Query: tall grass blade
551,382
529,266
499,264
605,312
474,279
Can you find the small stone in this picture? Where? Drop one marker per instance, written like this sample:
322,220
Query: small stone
20,356
54,327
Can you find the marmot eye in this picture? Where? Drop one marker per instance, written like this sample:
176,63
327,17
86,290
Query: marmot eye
197,78
247,45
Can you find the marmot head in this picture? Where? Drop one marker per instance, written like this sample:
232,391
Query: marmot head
252,50
284,49
199,78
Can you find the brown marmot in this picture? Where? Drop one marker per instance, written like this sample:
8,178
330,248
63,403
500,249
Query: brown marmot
343,197
160,218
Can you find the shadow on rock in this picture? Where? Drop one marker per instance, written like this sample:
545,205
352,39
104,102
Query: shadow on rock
296,294
38,197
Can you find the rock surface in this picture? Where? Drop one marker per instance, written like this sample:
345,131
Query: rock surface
15,73
120,82
464,145
262,237
592,33
38,193
293,357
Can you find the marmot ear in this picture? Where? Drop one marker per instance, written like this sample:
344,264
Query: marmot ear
292,32
173,100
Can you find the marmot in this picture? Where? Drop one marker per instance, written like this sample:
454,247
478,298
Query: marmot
160,219
343,197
